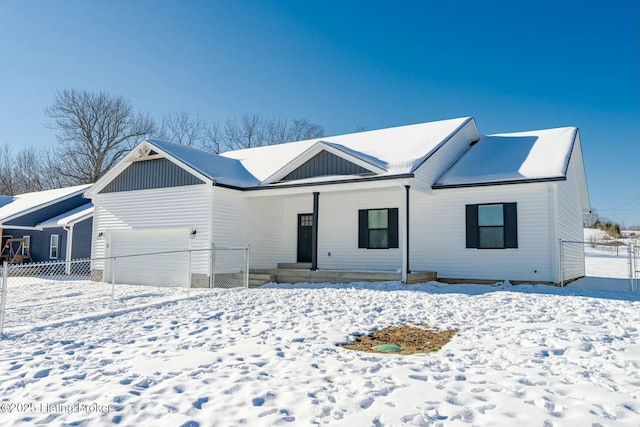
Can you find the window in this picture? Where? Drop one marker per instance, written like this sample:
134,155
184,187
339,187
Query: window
492,226
26,246
53,246
378,228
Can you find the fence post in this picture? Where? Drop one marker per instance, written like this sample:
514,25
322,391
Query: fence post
189,274
632,267
3,294
113,284
246,267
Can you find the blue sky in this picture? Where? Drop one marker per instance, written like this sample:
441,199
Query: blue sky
513,66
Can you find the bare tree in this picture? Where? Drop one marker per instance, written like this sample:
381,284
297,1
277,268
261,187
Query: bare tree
213,140
7,187
26,172
95,130
182,129
254,131
302,129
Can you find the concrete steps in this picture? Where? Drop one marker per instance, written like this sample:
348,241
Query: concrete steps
288,275
257,279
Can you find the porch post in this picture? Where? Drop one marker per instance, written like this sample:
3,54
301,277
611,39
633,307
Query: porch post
405,235
314,232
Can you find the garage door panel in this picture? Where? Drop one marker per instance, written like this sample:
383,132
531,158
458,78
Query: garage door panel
132,266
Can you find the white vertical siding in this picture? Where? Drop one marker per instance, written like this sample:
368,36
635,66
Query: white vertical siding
569,222
441,160
163,208
438,234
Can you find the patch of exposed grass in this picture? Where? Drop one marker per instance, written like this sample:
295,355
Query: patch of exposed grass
411,339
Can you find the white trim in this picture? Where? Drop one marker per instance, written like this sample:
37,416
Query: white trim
135,153
325,188
314,150
41,206
24,245
57,246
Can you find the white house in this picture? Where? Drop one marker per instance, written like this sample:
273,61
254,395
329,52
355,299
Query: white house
432,197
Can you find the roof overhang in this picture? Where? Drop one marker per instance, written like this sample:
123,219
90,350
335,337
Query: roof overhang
34,208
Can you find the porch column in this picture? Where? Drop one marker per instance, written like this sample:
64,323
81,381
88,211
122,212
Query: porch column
69,249
314,232
405,235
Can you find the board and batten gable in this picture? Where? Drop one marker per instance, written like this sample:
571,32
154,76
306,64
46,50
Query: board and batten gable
438,234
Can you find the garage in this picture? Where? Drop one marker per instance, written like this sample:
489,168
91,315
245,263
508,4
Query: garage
156,257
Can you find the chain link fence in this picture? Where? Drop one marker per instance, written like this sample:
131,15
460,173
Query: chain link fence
600,265
38,294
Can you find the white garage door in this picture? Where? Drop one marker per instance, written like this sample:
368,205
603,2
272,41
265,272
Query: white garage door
159,269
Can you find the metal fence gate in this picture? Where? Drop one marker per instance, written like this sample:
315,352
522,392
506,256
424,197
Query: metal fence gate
604,265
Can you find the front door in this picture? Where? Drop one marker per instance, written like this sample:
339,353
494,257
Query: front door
305,222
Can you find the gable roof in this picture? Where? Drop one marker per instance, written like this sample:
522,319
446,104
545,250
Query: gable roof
219,169
392,151
69,218
541,155
22,204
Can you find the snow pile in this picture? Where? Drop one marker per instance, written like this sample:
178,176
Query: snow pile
525,355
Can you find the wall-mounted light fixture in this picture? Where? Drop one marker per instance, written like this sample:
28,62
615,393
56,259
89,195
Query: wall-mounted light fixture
194,231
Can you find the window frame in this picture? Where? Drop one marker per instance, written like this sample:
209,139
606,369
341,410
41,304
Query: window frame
364,231
26,247
56,246
509,226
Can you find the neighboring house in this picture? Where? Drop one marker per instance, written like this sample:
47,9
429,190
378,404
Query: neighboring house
55,224
428,197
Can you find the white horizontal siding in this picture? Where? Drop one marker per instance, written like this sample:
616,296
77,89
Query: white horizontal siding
569,222
255,222
291,207
426,175
338,231
438,234
163,208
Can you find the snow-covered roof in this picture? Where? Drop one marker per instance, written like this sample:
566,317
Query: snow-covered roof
513,157
219,169
24,203
397,150
78,214
5,200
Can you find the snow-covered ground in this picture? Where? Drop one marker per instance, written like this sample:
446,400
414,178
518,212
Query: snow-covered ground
525,355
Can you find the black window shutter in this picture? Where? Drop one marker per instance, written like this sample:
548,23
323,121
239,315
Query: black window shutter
393,228
363,228
510,225
472,226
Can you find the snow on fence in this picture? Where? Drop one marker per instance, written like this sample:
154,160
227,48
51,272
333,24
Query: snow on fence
37,294
605,265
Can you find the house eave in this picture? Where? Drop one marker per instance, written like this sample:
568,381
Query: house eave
493,183
42,206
